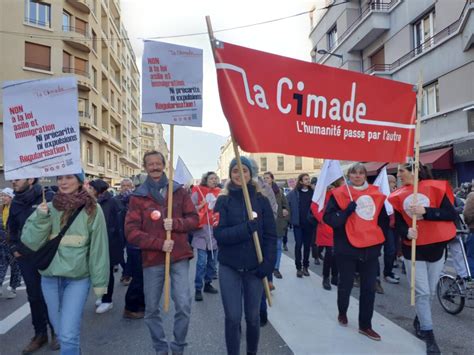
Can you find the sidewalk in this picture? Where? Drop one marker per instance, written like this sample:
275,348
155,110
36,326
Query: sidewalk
305,316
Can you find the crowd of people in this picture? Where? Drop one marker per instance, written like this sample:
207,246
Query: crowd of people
71,239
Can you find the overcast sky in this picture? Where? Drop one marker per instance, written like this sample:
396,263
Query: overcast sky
153,18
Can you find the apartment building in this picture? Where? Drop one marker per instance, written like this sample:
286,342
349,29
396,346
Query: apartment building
285,168
398,39
87,39
152,138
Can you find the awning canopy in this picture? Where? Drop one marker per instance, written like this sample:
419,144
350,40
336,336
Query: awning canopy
439,159
373,168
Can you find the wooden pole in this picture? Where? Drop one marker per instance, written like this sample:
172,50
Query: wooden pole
166,304
419,103
244,185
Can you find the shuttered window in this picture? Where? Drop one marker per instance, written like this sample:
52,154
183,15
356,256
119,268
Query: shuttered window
37,56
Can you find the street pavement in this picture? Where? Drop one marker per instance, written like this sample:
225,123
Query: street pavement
301,321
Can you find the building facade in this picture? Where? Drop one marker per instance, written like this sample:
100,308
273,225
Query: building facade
398,39
152,138
285,168
87,39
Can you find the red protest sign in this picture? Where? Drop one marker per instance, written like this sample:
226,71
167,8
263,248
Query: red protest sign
282,105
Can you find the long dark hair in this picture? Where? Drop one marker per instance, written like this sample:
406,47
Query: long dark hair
424,172
299,183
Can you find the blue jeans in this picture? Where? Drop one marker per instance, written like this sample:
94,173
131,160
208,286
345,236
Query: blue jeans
153,282
470,252
279,251
65,299
205,267
235,287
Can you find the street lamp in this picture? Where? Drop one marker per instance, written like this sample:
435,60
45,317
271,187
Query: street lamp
324,52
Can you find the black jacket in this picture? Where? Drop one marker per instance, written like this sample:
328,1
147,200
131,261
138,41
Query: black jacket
336,218
112,212
429,252
23,205
236,246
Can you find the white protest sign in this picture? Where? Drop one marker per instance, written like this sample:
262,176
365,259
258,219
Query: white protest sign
41,128
172,84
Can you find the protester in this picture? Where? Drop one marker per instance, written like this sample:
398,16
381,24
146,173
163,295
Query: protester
28,195
126,188
111,209
6,257
299,200
239,272
469,219
357,215
316,252
81,259
435,228
283,215
391,242
145,227
204,197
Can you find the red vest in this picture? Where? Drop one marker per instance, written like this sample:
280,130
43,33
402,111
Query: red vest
362,226
430,194
206,214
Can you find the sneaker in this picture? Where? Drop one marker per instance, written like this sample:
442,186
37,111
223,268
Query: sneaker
36,343
431,345
342,319
395,276
285,248
391,280
54,345
416,325
98,302
299,273
208,288
125,280
133,315
305,271
370,333
277,274
326,284
379,288
104,307
198,296
317,262
10,294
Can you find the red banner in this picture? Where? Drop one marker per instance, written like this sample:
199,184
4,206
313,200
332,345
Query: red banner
282,105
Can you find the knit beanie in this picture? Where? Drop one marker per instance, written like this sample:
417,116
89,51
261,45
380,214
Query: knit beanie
81,176
99,185
245,161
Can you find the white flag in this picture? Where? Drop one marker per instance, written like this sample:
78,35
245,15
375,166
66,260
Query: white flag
330,172
181,173
384,187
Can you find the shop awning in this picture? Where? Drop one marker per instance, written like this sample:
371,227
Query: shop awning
439,159
373,168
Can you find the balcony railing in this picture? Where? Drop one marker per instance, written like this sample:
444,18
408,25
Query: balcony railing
37,22
76,71
84,114
423,47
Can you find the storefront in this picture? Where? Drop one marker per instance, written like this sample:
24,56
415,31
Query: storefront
463,158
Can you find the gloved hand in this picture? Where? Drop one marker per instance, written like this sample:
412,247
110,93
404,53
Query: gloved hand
261,271
412,234
252,226
351,207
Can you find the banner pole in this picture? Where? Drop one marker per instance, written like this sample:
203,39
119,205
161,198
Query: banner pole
244,185
419,102
166,304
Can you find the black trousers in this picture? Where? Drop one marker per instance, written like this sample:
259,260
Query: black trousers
107,298
39,310
304,237
329,264
367,269
135,298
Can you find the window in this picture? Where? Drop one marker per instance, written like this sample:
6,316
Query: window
423,32
263,164
298,163
94,114
115,162
37,13
66,21
430,99
316,164
94,77
81,27
80,67
90,152
281,163
37,56
94,41
66,62
83,106
109,160
332,38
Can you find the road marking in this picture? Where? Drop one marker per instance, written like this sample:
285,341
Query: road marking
305,316
14,318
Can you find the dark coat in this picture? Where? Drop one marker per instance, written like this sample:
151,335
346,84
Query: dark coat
112,211
22,206
149,235
336,218
282,222
236,246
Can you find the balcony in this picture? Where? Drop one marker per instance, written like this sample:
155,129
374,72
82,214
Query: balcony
84,120
83,78
81,5
77,38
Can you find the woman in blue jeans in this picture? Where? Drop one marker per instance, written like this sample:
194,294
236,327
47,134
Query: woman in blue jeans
82,258
240,274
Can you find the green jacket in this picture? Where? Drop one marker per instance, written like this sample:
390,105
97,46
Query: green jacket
83,251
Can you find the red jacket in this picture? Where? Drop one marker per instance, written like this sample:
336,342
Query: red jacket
149,235
324,233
